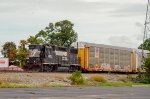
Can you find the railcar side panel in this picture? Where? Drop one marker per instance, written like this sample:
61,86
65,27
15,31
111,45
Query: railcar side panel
101,58
133,61
81,57
86,56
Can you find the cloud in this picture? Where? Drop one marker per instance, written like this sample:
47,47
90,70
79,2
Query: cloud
125,10
124,41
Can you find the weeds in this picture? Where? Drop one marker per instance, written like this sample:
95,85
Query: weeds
117,84
98,78
123,79
77,78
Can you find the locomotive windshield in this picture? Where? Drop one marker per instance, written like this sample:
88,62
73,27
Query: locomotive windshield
34,53
34,50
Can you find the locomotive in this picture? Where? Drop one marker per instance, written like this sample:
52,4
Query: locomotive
47,57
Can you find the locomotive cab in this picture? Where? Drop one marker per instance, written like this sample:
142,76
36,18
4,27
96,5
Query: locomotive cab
35,57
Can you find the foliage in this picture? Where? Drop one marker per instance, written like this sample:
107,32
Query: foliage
144,77
18,56
132,78
147,70
117,84
59,33
22,44
123,79
98,78
76,78
21,54
146,45
34,40
8,49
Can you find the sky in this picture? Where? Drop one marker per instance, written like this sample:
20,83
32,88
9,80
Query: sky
111,22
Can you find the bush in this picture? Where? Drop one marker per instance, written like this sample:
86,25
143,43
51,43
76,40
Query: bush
76,78
145,77
98,78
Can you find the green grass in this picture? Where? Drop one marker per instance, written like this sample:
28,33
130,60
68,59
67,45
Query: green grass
140,84
16,86
124,84
97,78
101,84
116,84
28,86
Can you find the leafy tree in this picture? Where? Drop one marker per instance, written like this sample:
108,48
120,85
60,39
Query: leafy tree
59,33
8,49
146,45
21,54
23,43
145,77
34,40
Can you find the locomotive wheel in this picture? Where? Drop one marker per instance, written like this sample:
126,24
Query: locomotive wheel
55,68
50,68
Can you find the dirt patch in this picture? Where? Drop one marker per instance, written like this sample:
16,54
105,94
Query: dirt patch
45,79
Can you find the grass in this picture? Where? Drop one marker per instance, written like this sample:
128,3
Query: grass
97,78
16,86
8,85
140,84
123,79
116,84
124,84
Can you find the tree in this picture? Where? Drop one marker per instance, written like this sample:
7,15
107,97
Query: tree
21,54
22,44
20,57
146,45
59,33
145,77
8,49
34,40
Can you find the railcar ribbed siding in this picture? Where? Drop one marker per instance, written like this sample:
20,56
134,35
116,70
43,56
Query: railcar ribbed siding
99,57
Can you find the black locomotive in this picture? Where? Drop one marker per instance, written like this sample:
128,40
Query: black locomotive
49,58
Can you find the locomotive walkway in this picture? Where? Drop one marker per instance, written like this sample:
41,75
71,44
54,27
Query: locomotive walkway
77,93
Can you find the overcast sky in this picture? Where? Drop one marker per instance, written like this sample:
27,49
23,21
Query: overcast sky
113,22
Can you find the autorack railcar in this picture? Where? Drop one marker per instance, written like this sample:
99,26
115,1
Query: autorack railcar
99,57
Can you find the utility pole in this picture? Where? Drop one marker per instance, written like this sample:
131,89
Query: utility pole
147,27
